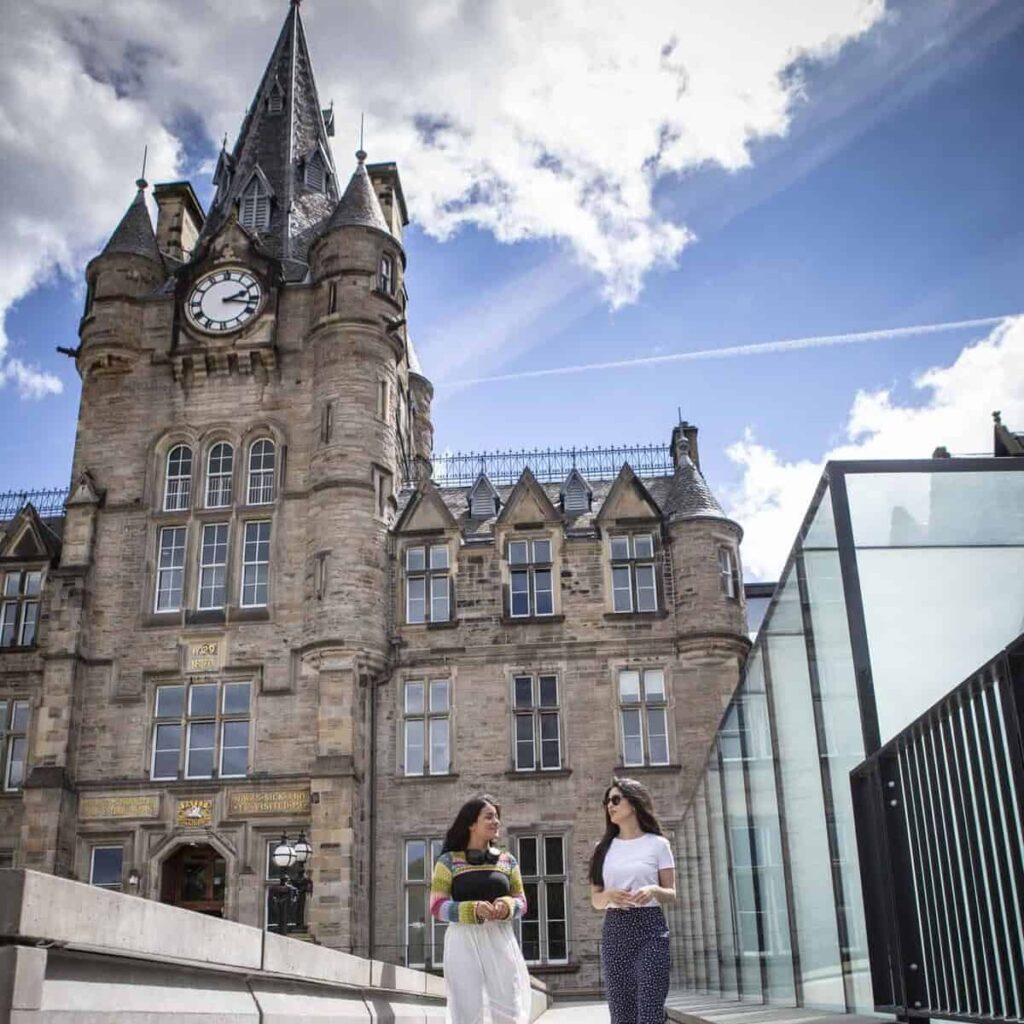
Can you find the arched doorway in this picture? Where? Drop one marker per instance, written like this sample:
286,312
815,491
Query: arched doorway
195,877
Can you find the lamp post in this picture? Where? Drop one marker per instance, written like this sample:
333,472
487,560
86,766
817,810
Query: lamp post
293,886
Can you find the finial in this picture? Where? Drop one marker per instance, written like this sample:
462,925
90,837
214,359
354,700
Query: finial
140,181
296,3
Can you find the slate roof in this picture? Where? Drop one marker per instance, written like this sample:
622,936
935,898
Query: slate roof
359,206
135,235
278,144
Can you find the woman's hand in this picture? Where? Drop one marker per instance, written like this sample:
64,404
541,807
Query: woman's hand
642,896
502,912
618,898
484,910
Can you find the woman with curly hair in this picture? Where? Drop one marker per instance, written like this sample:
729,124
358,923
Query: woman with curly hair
477,891
632,873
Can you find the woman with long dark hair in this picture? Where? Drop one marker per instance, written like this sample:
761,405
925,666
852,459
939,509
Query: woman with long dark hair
477,891
632,873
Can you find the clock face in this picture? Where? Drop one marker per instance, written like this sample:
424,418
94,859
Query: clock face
224,301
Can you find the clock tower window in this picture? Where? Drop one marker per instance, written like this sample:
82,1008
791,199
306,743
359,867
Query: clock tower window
254,207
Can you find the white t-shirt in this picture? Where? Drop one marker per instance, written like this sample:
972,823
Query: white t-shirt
633,863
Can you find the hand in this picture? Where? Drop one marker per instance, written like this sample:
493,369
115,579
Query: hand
238,297
619,897
484,910
643,895
501,910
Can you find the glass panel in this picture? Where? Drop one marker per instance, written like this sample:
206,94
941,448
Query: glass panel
256,558
416,559
218,476
416,921
530,927
107,866
19,716
438,696
3,716
525,758
518,552
33,582
654,685
554,863
166,748
8,623
16,763
439,599
234,748
12,584
416,605
632,739
646,592
199,757
416,860
822,531
439,746
261,472
550,752
527,856
414,698
620,549
542,591
520,587
170,701
213,562
236,698
629,686
622,595
643,546
541,552
414,746
523,687
549,691
29,619
202,699
724,929
439,556
657,735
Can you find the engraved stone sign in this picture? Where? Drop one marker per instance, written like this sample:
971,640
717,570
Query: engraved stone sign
277,801
119,807
205,655
194,813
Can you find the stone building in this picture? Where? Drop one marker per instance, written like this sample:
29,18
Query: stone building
259,612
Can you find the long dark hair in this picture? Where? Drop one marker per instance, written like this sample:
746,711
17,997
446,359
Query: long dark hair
641,801
458,835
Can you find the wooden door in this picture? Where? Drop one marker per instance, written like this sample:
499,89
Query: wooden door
194,878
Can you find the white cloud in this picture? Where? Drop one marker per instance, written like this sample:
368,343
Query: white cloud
954,410
533,121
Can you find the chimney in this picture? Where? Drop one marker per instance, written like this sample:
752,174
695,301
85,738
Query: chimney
179,219
684,443
388,187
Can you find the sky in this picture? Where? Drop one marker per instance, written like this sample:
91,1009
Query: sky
663,208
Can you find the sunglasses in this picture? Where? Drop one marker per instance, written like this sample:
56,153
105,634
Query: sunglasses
614,800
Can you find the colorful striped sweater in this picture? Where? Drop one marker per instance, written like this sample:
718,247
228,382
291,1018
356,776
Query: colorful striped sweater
452,865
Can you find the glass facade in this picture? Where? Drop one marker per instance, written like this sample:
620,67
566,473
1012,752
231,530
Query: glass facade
903,579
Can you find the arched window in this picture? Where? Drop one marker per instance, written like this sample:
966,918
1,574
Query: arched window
254,206
316,173
178,485
219,465
260,490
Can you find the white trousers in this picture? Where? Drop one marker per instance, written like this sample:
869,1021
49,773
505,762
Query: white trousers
483,963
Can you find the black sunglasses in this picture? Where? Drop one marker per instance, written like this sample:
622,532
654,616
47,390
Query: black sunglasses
615,799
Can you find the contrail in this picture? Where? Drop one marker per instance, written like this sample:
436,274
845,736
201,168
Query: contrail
760,348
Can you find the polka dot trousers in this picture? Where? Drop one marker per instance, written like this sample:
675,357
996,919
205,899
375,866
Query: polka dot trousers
635,962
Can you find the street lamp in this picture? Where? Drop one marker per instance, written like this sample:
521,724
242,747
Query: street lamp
293,886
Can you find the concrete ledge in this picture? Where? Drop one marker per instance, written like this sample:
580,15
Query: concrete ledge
305,961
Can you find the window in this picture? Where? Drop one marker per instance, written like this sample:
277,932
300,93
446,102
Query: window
633,581
543,931
254,206
19,607
178,485
332,297
643,711
315,173
6,858
205,727
219,467
728,573
386,280
427,743
261,472
424,936
170,573
213,566
256,564
382,492
530,590
106,867
13,742
275,101
296,907
538,742
427,584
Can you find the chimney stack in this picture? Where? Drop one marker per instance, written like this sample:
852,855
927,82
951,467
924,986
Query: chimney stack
179,219
684,443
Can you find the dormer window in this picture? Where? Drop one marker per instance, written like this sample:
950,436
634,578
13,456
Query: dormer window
427,584
529,579
254,206
633,579
19,611
483,498
576,494
315,173
386,278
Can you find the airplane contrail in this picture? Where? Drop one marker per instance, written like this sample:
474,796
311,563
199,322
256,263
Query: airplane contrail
760,348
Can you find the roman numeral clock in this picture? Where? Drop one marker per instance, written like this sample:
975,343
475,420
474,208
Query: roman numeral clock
224,300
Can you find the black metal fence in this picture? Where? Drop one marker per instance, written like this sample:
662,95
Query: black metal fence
940,832
48,502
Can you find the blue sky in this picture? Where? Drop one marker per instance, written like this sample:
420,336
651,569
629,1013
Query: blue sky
889,198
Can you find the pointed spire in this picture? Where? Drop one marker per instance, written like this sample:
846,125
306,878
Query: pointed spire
359,206
283,133
134,236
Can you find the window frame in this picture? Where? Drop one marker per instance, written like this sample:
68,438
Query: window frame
257,563
110,886
221,476
254,206
643,707
17,604
429,575
433,929
212,567
267,483
386,274
161,570
10,735
183,492
542,880
632,564
536,712
530,569
728,572
427,716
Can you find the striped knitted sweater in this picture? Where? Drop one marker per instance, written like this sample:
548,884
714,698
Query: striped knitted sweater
451,865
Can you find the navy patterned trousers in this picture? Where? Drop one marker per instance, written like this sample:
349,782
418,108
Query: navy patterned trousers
635,960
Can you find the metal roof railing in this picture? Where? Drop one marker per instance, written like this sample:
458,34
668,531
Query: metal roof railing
47,502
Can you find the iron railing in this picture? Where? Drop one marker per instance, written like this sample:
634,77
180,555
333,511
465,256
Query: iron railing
49,502
550,465
940,833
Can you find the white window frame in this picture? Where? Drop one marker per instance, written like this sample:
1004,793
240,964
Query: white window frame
10,735
161,570
219,482
255,564
260,481
111,886
386,274
429,716
536,713
646,708
433,575
178,485
543,880
529,568
728,572
628,561
209,569
20,596
419,889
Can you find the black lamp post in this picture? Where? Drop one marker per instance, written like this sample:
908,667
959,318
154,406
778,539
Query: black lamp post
293,886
